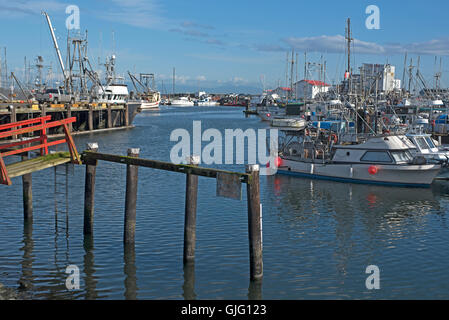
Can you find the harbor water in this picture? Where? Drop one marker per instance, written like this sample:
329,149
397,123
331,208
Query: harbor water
318,237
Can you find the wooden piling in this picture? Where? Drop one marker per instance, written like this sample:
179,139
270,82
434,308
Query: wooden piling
90,120
89,191
126,115
254,223
69,115
27,193
131,198
13,118
109,116
190,212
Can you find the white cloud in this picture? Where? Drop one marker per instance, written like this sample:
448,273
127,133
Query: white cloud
337,44
20,8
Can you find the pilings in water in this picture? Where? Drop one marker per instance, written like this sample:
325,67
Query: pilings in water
131,198
192,171
89,191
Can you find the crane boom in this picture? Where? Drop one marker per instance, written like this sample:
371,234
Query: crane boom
55,42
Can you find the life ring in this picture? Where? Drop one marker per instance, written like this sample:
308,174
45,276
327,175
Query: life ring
333,137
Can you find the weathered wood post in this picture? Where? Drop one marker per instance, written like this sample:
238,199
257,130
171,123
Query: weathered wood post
190,212
27,194
69,115
126,115
131,198
254,223
90,119
13,118
109,116
89,191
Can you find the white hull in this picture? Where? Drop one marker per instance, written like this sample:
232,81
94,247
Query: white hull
150,105
182,103
208,104
398,175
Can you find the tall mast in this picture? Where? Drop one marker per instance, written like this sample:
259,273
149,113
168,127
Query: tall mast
349,40
173,80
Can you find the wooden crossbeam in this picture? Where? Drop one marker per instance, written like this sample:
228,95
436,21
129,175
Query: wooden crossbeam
89,157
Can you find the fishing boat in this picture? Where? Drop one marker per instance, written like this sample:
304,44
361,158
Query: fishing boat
151,101
381,160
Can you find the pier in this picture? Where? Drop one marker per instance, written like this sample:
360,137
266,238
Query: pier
228,183
89,116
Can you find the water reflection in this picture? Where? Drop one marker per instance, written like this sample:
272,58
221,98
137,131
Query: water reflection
255,290
189,281
349,214
27,278
130,272
89,269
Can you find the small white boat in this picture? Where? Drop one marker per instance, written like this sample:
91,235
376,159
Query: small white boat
182,102
384,160
206,102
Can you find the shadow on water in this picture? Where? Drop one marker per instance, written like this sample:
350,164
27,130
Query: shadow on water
189,281
130,270
89,269
27,278
255,290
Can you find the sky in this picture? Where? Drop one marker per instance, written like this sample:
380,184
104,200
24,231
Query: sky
233,46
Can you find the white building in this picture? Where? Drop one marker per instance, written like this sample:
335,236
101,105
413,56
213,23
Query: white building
385,74
310,88
282,92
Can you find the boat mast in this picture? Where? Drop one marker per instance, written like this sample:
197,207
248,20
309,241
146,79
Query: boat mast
349,40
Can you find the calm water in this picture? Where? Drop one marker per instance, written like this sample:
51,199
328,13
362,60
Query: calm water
318,236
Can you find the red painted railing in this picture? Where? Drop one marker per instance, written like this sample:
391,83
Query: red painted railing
27,126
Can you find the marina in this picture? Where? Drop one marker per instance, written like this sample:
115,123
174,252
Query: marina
205,168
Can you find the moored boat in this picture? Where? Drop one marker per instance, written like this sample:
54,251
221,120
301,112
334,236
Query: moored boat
383,160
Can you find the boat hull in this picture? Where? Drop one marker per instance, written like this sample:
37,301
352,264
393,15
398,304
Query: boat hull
393,175
150,105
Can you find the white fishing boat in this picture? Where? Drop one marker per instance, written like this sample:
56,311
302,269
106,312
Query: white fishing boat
151,101
113,93
382,160
182,102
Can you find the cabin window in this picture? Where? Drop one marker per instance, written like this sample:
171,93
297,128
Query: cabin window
430,143
376,156
421,143
402,156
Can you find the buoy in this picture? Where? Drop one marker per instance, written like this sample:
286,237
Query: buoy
277,162
373,170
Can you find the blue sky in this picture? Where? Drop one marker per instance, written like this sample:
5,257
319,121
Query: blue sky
232,45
